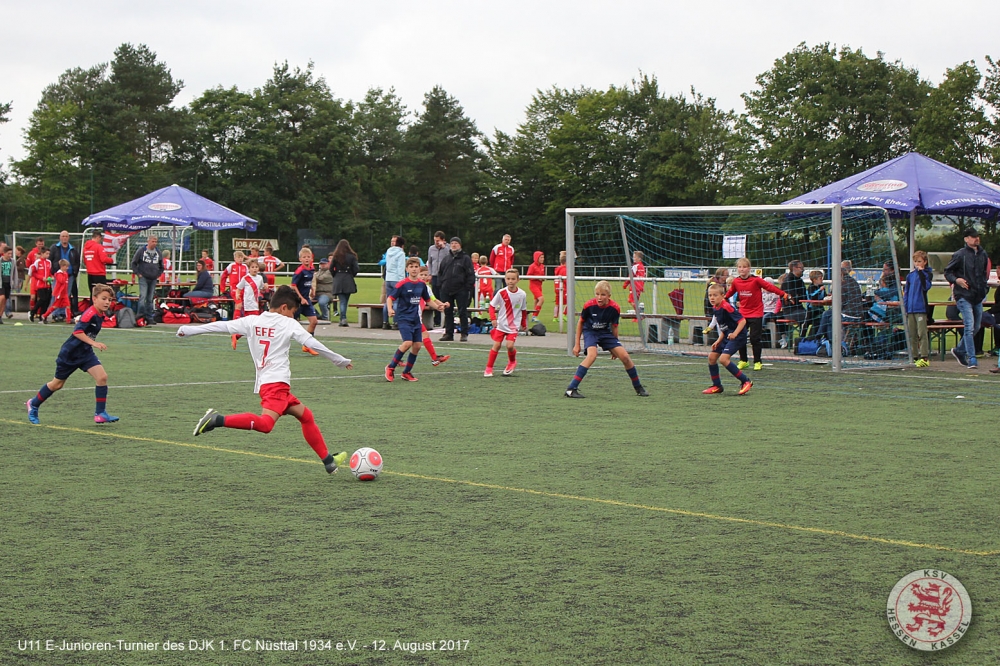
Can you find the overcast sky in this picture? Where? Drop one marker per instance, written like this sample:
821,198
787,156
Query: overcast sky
491,56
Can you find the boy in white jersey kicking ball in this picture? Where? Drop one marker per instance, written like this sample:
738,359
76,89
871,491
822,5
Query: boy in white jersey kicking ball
508,314
269,336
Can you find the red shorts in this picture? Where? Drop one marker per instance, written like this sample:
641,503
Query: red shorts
536,289
497,335
277,397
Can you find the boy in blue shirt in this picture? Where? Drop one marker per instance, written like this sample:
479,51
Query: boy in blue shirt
732,336
77,353
404,303
598,325
918,283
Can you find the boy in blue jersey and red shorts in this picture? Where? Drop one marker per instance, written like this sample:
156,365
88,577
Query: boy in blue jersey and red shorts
302,284
77,353
405,306
598,325
732,336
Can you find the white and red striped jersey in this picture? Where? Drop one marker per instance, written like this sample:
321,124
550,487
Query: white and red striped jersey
249,293
270,336
510,309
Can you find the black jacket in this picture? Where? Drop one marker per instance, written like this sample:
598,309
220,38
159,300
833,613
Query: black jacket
973,265
457,273
71,254
343,275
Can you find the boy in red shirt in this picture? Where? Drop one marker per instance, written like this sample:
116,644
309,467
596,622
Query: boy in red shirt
749,287
96,260
271,265
29,262
209,262
40,273
560,286
234,273
537,267
638,275
60,292
485,283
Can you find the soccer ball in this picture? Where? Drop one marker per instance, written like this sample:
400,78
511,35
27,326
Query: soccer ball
366,464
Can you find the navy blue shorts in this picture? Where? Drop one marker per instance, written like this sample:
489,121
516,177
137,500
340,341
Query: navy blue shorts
732,347
605,341
305,311
66,367
410,331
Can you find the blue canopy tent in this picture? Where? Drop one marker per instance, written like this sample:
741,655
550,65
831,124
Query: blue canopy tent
174,205
911,185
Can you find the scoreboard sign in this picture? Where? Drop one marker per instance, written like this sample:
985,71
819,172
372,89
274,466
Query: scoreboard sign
246,244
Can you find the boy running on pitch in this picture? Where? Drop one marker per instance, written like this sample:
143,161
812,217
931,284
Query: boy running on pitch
508,314
732,336
598,324
405,305
270,336
425,277
77,353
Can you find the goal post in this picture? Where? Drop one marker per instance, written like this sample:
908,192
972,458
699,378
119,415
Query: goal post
684,248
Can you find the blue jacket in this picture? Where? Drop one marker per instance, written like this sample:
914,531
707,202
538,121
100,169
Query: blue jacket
918,283
395,264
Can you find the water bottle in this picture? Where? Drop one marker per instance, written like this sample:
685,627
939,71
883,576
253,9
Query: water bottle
670,336
223,314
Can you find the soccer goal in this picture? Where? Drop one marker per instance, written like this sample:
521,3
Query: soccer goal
664,303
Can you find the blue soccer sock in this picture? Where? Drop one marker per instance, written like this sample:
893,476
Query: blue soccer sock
736,372
396,359
581,372
410,360
44,394
102,399
713,371
633,374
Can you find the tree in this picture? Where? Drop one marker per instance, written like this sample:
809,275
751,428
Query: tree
953,127
820,114
441,168
100,136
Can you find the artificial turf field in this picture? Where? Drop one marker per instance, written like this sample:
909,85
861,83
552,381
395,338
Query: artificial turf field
677,529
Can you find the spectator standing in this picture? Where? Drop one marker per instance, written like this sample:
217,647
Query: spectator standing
502,258
29,265
66,250
20,273
209,262
7,270
323,289
147,265
560,286
458,279
344,266
415,254
203,287
435,255
968,272
96,260
918,283
41,279
395,272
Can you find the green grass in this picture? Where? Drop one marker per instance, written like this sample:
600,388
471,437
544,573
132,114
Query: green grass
679,529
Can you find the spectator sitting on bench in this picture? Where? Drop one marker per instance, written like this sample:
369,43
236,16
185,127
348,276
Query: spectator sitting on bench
203,288
816,291
852,307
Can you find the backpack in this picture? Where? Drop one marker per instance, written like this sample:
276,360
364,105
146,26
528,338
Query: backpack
126,318
537,329
202,315
807,347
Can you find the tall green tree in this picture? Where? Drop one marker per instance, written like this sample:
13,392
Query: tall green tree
441,169
953,127
100,136
820,114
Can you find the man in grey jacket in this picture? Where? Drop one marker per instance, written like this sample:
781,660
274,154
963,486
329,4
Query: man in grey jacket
967,272
435,255
147,265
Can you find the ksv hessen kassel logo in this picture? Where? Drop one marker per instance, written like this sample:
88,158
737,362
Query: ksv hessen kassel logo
929,610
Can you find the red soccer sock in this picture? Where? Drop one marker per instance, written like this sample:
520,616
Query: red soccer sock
511,354
259,422
493,358
430,348
312,434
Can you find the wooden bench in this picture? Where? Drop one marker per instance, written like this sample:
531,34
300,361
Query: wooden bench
20,302
940,330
